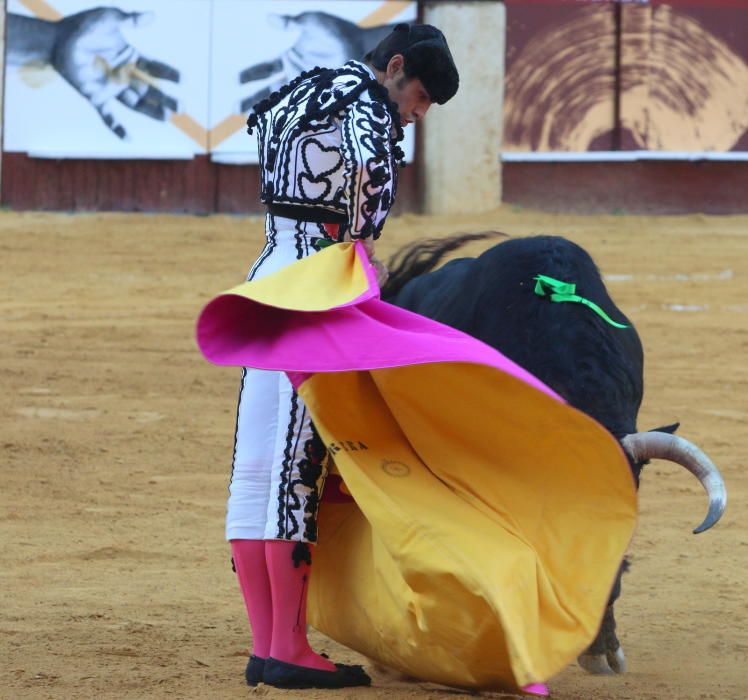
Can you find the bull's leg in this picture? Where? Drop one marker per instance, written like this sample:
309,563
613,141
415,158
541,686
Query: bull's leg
605,655
613,649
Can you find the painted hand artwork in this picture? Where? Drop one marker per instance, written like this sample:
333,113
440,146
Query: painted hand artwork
170,79
90,52
323,40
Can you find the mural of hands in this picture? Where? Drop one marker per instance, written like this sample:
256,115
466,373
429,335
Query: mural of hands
324,40
90,52
121,69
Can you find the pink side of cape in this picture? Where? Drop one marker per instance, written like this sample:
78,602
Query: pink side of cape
363,334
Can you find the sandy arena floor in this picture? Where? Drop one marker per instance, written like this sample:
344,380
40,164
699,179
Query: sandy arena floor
117,437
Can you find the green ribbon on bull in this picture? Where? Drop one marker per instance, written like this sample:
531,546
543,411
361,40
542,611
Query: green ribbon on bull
555,290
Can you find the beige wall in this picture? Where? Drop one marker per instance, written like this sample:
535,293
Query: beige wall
462,139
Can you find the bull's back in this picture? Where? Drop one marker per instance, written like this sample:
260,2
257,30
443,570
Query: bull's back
434,294
596,367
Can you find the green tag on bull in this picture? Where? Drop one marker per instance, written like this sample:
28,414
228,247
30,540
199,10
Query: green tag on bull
555,290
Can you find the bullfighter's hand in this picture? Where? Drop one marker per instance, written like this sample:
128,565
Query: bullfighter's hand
381,270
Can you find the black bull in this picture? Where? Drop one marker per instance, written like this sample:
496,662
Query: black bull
595,366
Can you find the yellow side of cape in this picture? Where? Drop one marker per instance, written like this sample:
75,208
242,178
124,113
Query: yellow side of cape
488,526
325,280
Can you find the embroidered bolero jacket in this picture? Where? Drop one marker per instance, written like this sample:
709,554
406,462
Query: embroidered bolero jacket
329,140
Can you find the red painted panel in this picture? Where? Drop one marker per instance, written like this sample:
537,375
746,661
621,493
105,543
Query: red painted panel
661,76
108,185
682,78
196,186
560,77
639,187
237,189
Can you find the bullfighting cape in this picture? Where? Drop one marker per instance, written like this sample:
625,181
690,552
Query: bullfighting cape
488,518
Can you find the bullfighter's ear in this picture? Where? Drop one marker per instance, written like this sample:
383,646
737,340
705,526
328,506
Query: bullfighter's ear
666,428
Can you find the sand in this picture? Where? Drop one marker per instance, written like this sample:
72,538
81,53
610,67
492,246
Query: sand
117,438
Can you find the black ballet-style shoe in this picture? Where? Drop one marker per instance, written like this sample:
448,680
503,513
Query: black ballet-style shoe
280,674
255,670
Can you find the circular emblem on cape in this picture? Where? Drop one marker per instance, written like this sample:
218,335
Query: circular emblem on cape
394,468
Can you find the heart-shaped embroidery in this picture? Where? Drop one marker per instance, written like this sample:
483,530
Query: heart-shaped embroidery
313,189
320,160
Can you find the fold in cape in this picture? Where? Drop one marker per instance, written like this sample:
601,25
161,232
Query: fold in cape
487,518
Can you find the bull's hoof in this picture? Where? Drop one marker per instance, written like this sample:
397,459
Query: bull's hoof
617,660
608,664
596,664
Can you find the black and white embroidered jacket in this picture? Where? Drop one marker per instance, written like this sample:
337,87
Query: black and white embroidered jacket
328,140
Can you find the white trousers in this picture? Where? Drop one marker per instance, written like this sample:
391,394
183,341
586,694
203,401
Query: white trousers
279,461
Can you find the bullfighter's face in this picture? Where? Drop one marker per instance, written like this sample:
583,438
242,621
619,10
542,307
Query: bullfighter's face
408,93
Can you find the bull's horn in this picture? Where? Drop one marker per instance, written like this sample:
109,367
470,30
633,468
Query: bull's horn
654,445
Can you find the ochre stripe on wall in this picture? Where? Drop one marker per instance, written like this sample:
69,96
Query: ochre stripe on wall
42,9
386,12
226,128
187,125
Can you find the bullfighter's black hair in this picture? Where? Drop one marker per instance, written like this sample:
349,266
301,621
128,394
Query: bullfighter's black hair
427,57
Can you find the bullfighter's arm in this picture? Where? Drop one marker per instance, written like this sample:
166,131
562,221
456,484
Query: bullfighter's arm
367,156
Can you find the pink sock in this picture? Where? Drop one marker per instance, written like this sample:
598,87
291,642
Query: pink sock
538,689
289,584
251,570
